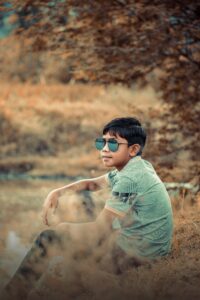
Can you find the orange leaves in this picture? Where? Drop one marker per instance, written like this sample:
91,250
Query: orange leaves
39,44
129,42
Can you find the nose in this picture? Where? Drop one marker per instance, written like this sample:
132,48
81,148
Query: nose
105,148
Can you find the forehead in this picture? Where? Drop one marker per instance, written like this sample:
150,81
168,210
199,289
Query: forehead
116,136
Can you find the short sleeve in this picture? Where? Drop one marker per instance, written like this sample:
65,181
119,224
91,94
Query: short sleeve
123,197
112,177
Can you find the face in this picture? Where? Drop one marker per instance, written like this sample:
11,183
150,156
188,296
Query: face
119,158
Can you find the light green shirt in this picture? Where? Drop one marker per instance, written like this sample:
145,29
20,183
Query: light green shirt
140,198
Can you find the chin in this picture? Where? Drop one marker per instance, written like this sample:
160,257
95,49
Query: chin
108,165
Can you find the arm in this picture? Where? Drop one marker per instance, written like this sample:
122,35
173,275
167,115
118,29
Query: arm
51,202
93,184
89,234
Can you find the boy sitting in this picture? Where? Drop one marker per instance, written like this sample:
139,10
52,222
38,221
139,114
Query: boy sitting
138,214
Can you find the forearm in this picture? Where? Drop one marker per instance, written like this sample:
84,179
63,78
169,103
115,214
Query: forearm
85,184
51,202
84,234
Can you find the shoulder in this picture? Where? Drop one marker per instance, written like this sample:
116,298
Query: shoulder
138,168
148,177
138,176
148,167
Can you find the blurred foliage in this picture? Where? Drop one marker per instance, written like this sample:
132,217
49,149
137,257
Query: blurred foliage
122,41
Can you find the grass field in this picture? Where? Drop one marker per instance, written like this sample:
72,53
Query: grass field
171,278
49,129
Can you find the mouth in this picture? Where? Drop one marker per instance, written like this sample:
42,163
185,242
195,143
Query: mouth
106,157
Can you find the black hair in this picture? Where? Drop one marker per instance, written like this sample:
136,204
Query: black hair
128,128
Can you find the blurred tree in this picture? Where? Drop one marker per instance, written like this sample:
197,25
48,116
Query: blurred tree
129,42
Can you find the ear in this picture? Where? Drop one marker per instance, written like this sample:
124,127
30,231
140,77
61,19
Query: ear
134,149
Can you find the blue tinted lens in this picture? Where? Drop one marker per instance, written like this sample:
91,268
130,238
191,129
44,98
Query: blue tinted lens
100,143
113,145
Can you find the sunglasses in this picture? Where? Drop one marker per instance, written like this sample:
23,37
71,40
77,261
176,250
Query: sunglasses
113,144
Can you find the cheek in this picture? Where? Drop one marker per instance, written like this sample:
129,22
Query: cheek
122,154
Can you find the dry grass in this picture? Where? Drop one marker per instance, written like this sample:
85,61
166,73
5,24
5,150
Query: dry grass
60,121
170,278
49,129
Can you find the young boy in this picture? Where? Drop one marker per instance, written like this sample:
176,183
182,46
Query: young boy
138,212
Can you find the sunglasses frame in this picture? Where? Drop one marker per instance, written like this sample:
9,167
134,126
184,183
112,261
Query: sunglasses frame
111,142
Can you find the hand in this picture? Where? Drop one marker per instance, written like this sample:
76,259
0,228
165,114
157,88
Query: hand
51,202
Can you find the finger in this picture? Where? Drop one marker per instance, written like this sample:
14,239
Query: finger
55,208
46,221
57,204
45,216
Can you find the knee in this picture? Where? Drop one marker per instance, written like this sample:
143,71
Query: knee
48,236
62,228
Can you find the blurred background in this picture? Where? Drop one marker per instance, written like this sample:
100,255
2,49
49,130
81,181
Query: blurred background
69,67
